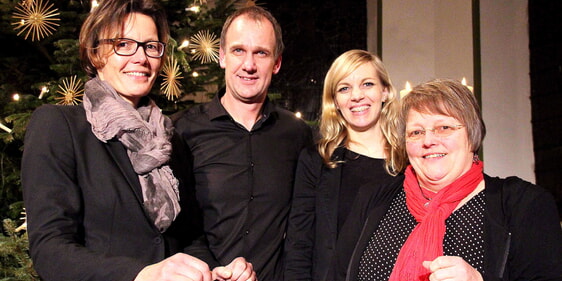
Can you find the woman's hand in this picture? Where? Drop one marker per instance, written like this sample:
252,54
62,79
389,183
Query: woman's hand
451,268
238,270
179,267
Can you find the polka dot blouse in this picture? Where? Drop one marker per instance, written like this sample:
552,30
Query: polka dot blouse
463,237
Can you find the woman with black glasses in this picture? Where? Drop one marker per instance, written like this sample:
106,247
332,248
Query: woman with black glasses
102,201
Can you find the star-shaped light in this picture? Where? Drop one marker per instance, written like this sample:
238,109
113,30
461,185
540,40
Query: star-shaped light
206,46
71,91
172,75
35,18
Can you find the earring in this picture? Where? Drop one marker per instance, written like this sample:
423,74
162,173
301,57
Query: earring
475,158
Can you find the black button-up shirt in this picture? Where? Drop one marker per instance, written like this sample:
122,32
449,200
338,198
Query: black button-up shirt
244,180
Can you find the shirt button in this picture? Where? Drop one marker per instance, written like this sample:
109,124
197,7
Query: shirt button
157,240
247,232
252,197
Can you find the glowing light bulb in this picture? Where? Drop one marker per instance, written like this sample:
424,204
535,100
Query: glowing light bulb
184,44
95,4
194,9
44,90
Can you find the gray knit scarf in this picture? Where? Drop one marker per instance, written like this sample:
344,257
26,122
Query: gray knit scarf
145,132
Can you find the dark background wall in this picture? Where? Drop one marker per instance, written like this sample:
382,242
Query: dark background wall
315,32
545,45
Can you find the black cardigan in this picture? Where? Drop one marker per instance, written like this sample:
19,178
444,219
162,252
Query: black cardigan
312,226
523,237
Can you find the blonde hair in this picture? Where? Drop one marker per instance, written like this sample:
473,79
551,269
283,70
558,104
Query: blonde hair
439,96
333,126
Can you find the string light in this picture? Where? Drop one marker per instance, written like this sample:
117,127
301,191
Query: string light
194,9
95,4
3,127
16,97
44,90
184,44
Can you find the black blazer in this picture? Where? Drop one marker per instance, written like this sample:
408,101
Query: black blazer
84,203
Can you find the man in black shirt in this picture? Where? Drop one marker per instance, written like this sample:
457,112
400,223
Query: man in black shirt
243,149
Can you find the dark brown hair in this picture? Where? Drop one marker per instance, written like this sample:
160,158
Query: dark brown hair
108,17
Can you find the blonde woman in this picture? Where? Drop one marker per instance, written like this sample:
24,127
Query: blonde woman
350,153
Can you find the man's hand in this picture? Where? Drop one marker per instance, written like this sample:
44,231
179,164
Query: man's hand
238,270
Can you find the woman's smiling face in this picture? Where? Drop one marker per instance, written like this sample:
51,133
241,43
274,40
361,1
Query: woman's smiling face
132,76
438,161
359,97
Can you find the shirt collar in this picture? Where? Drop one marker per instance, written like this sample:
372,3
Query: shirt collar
217,110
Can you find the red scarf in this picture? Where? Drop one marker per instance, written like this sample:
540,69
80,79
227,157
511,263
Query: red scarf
425,243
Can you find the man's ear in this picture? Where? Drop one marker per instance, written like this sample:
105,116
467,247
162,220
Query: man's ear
277,65
222,58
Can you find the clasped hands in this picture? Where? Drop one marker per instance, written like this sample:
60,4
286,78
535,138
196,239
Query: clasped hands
183,267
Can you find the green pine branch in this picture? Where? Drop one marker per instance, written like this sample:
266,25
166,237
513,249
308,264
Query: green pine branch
14,255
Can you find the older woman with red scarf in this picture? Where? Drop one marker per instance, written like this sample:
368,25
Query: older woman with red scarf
444,219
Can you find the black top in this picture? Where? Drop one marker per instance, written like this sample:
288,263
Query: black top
315,212
243,180
357,171
463,237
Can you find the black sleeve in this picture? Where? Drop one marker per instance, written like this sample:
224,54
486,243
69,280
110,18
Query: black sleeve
370,205
299,242
536,235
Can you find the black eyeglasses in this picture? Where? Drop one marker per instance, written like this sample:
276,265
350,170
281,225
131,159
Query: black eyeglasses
128,47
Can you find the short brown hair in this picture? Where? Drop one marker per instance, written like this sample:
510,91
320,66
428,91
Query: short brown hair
108,15
439,96
256,13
